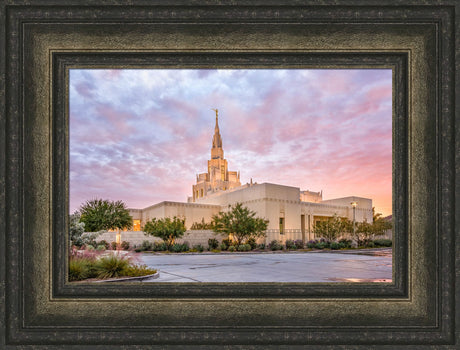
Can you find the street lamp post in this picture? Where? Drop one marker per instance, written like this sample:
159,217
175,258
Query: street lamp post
354,204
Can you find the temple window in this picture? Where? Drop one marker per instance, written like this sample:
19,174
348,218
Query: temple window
281,226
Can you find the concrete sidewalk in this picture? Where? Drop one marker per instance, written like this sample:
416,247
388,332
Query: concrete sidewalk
315,266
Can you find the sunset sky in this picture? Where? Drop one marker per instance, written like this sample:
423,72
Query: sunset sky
141,136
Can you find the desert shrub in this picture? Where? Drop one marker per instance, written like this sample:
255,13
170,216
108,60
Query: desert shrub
223,246
227,242
299,244
88,266
321,245
365,242
370,244
261,246
89,247
252,242
290,244
311,243
179,247
232,248
383,242
114,245
275,245
159,247
111,266
175,248
80,268
104,243
137,271
100,247
212,243
327,243
335,246
345,243
125,245
198,248
244,248
201,225
146,245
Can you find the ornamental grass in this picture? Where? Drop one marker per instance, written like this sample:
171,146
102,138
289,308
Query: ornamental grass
87,266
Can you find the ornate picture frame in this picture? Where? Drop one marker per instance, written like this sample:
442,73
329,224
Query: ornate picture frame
42,40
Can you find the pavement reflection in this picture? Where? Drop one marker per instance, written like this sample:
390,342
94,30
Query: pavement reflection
360,266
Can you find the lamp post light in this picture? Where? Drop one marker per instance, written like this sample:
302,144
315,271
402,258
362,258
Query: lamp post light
354,204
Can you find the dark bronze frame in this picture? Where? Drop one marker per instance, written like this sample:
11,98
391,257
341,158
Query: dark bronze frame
44,40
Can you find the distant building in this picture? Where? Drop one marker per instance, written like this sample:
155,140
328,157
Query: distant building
291,212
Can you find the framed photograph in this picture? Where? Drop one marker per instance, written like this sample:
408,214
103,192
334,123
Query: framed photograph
48,45
313,149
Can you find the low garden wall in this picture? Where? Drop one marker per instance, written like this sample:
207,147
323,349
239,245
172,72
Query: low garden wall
193,237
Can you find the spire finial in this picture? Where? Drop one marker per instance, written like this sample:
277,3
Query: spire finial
217,140
217,114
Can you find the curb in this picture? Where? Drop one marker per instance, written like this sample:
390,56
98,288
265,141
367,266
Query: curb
132,279
345,251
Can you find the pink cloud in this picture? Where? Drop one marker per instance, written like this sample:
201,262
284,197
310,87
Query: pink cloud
380,93
114,120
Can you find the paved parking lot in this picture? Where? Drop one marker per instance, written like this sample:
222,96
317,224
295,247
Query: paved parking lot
316,266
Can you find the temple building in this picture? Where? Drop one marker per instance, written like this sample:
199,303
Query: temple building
218,178
292,212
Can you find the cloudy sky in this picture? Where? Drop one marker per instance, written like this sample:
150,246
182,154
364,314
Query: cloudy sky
141,136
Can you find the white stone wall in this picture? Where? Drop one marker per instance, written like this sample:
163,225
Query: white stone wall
133,237
137,237
200,237
363,208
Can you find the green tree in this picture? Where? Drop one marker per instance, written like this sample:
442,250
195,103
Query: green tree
167,229
363,232
99,214
240,222
379,224
331,228
366,230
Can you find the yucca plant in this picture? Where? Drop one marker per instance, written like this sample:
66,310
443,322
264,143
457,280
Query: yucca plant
111,266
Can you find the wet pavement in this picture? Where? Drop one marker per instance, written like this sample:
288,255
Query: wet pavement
370,265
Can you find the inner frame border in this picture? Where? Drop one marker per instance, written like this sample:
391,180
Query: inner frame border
62,62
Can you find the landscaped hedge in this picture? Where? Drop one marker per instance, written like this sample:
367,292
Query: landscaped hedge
383,242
